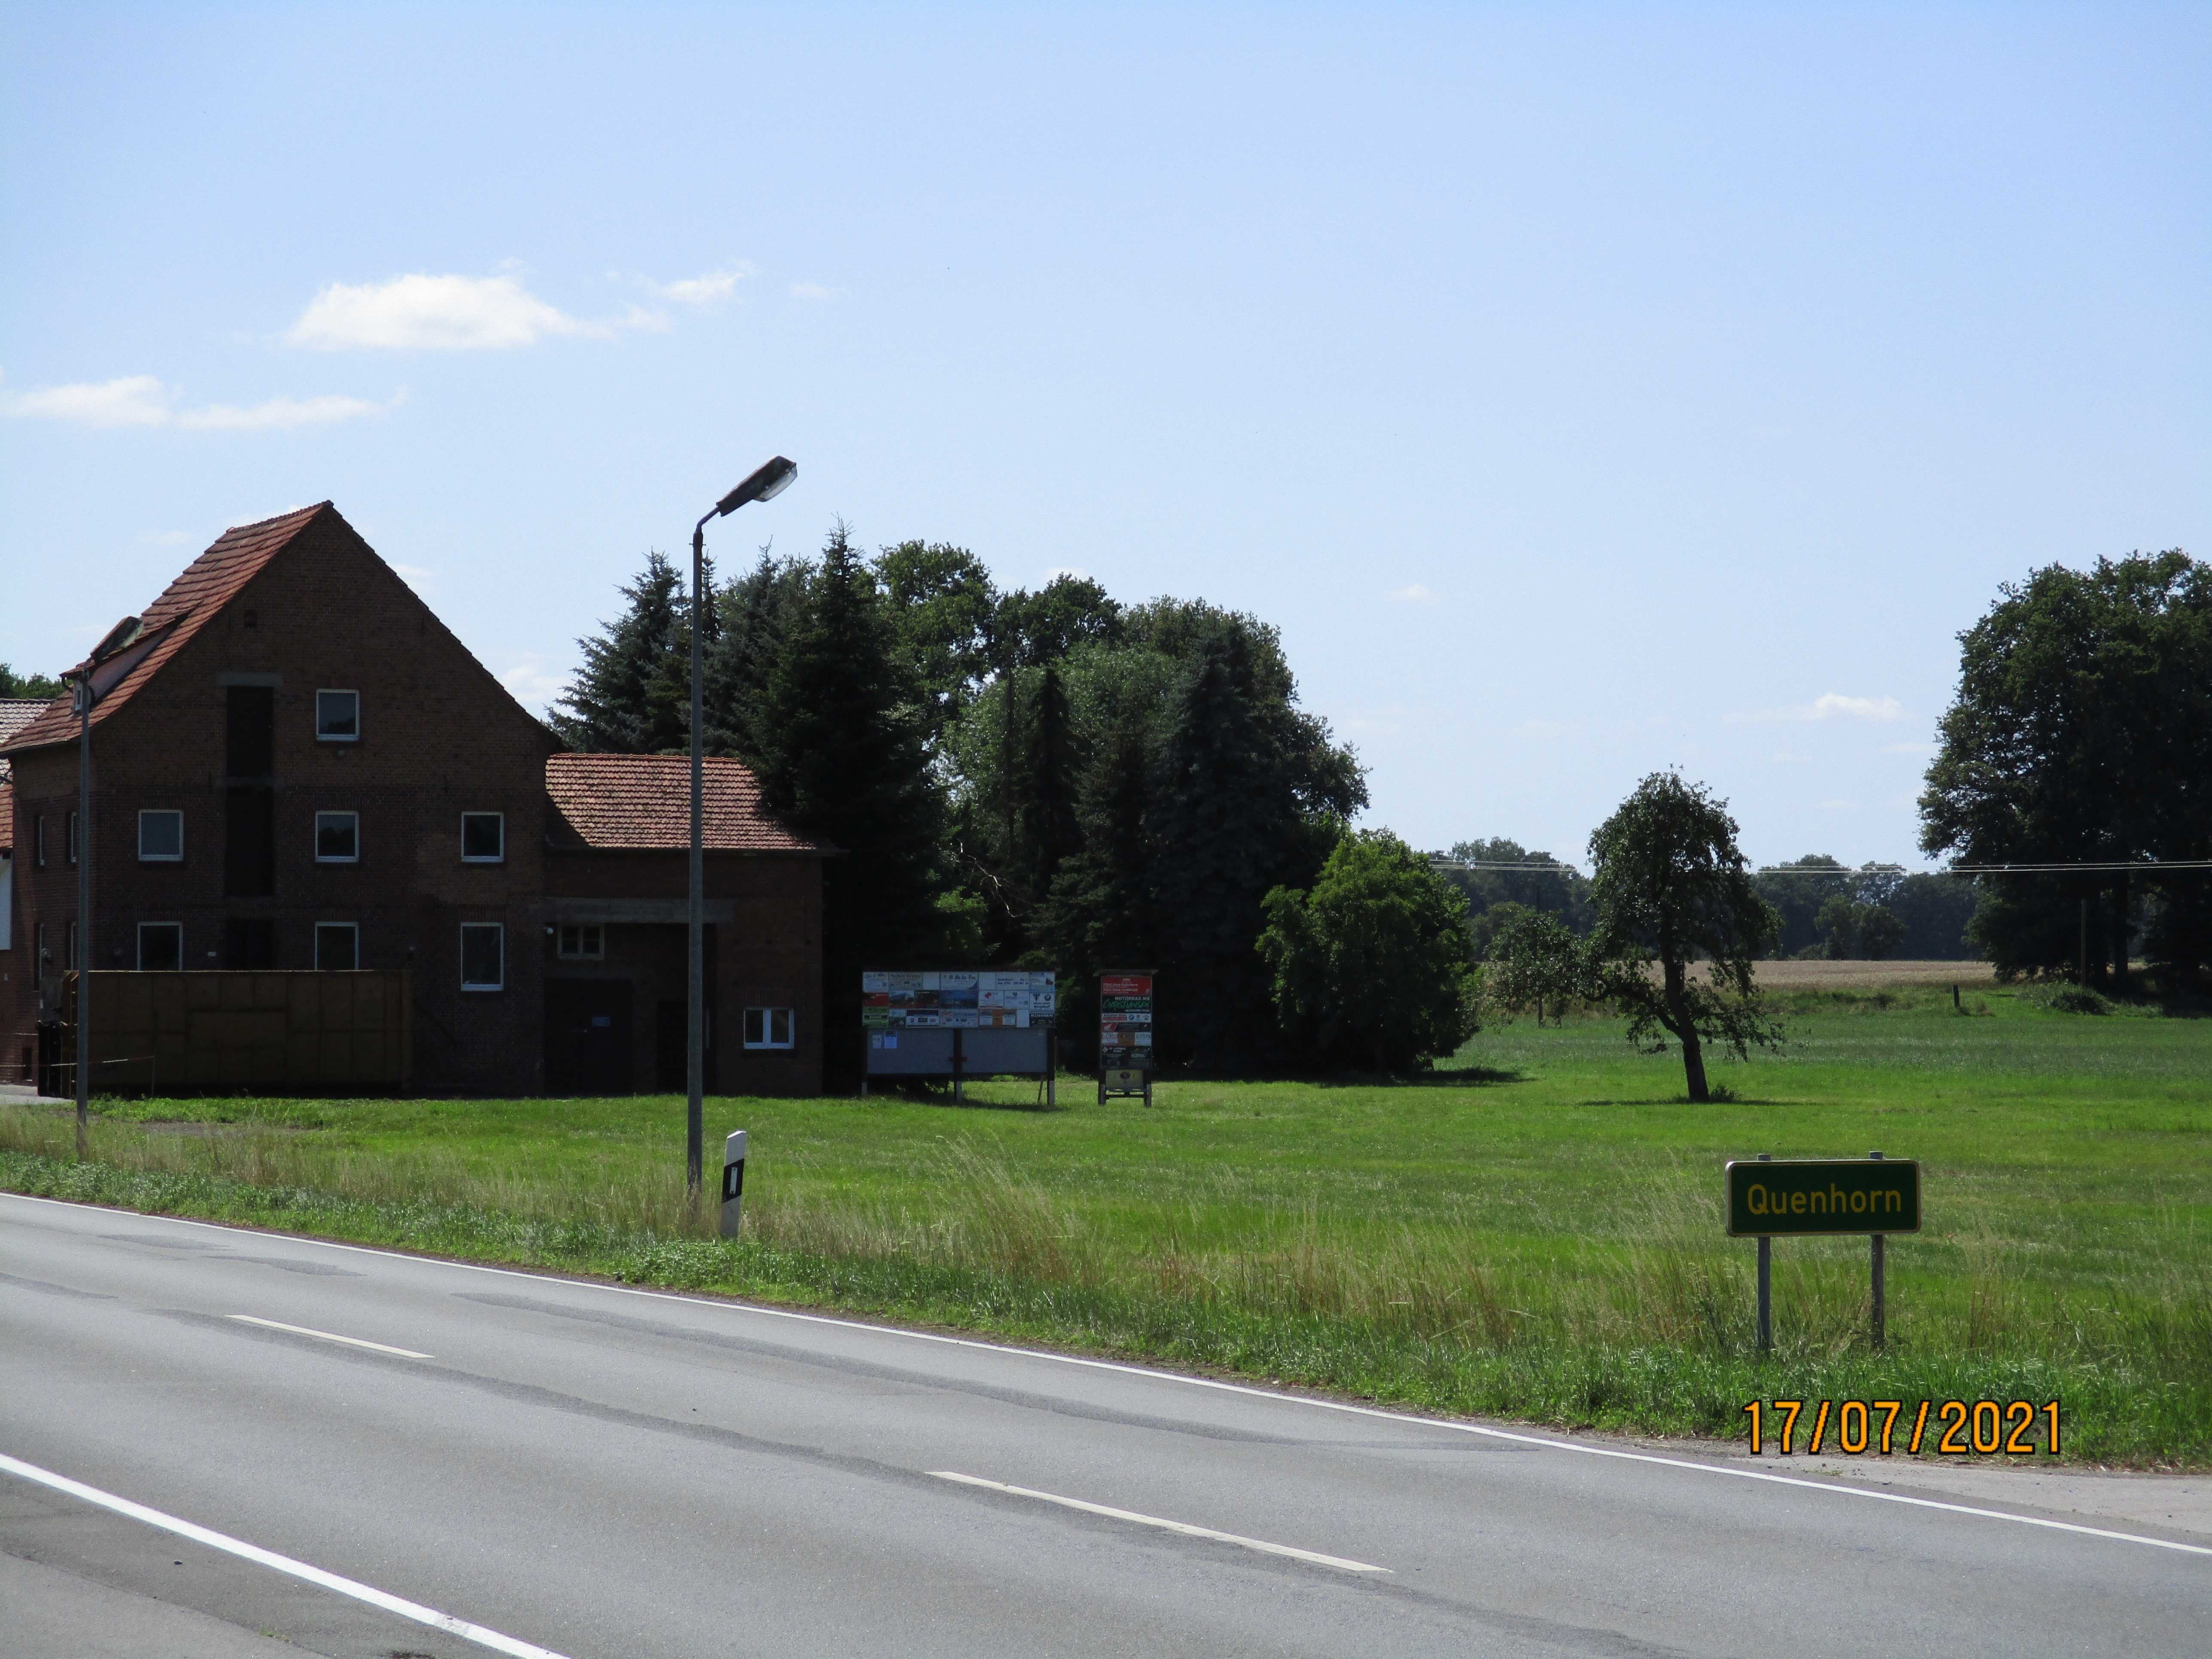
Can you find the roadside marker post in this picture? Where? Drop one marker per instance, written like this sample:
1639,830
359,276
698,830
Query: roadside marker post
734,1181
1820,1198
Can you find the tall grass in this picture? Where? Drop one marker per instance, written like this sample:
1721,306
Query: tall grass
1645,1323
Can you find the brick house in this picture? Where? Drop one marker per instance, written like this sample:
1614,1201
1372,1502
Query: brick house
296,766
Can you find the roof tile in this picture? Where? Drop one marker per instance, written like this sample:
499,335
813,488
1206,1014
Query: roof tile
643,802
186,605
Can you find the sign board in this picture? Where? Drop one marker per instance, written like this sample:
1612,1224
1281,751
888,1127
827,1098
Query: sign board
958,999
1124,1019
1799,1196
958,1022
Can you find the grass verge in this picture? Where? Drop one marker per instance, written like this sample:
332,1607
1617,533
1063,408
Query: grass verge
1534,1235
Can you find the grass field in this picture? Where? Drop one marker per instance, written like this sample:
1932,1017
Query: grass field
1534,1231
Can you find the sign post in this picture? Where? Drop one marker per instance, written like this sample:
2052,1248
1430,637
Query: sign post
1817,1197
734,1181
1125,1033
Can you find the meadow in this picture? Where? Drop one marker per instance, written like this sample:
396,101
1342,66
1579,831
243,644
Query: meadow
1532,1230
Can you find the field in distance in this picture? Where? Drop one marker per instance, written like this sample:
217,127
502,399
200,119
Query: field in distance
1534,1230
1818,974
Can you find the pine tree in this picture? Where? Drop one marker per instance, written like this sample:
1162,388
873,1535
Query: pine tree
840,757
1099,912
1046,830
633,695
753,613
1226,829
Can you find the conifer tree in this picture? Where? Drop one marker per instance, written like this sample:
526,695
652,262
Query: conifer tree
1046,828
753,613
1225,829
633,695
839,753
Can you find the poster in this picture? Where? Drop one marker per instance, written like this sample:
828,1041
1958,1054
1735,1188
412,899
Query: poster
961,998
1124,1019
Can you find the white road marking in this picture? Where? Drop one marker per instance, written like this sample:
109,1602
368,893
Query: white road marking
329,1336
1836,1488
1182,1526
284,1564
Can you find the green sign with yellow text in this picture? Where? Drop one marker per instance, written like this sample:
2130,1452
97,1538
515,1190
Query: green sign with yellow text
1823,1195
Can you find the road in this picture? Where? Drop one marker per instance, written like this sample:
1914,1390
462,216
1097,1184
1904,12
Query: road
593,1472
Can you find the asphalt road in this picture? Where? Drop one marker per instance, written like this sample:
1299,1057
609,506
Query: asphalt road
596,1473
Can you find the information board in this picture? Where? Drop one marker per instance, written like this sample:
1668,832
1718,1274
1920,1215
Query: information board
958,999
1124,1019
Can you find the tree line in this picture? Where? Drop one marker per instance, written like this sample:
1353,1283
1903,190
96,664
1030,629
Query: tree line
1048,778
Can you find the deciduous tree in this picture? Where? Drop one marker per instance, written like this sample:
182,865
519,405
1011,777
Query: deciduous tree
1671,889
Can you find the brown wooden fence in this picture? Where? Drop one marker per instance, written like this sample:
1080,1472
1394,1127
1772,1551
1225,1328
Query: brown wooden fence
172,1033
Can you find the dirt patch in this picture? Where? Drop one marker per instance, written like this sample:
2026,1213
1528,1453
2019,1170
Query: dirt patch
1824,975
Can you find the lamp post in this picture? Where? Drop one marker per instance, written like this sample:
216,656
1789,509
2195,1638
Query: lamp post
83,963
768,480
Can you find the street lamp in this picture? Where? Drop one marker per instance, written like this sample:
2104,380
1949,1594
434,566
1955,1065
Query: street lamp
767,481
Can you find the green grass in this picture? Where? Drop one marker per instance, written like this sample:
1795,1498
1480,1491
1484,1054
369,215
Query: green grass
1534,1233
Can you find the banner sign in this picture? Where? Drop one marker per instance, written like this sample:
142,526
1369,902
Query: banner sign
958,999
1789,1197
1124,1019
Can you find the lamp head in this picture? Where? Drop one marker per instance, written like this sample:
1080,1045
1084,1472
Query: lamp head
769,481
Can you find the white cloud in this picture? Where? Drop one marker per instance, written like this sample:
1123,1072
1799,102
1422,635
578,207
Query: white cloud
421,313
1416,594
142,400
1828,706
282,414
1833,705
711,288
134,400
531,686
811,291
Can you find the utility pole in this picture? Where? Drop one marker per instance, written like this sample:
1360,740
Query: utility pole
83,850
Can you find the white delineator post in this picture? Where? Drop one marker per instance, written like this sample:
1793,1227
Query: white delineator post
734,1181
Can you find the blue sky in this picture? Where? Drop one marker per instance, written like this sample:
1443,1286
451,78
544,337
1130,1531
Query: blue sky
1581,390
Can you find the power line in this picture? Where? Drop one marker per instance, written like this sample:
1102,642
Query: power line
2109,866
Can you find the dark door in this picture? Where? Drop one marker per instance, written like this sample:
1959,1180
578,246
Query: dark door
671,1049
587,1036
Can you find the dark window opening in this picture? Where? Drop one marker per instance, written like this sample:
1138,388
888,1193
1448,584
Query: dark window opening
338,946
483,966
483,837
249,815
161,947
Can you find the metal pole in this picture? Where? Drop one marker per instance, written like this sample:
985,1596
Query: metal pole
83,913
695,1039
2084,975
1878,1320
1765,1283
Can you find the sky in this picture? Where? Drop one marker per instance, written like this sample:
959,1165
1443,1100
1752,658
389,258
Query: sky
1581,390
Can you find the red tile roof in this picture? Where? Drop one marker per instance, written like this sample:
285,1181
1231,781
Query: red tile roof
15,713
643,802
186,605
6,817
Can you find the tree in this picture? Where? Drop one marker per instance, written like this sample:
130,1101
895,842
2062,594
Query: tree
1225,829
1670,888
1046,827
1855,931
1798,898
840,757
1559,889
1099,912
13,685
753,612
941,604
2081,732
1533,960
1371,966
629,698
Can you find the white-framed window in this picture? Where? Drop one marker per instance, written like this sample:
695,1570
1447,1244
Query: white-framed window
483,837
337,717
769,1028
337,838
483,956
161,837
161,947
338,946
580,942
